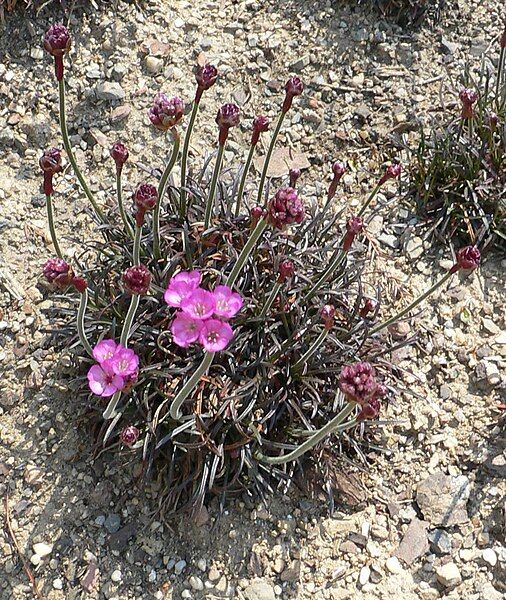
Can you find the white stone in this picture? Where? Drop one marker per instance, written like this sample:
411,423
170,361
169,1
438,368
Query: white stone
489,556
393,565
116,576
35,560
42,549
448,575
58,584
196,583
365,573
202,564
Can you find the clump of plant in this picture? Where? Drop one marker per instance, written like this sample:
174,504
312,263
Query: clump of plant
225,328
458,177
407,12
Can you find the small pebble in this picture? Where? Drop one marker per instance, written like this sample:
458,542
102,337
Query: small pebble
393,565
116,576
42,549
365,573
489,556
196,583
58,584
202,564
179,567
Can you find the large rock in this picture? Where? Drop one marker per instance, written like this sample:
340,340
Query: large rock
259,590
109,90
414,543
443,499
448,575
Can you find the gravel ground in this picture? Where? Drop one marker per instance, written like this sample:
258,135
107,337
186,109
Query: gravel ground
428,519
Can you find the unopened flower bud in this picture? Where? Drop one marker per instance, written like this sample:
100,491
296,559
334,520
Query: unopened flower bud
50,163
286,208
166,112
145,198
339,170
293,87
369,306
137,279
260,125
57,42
354,226
257,212
392,172
370,410
119,153
129,435
294,176
228,116
468,259
328,313
58,272
493,119
206,77
468,97
358,382
286,269
80,284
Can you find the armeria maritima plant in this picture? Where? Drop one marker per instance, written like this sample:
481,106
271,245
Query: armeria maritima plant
225,332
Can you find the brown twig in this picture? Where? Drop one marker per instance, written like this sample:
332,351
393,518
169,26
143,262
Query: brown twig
29,572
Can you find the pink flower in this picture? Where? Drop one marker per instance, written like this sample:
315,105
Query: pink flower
103,381
185,329
228,303
358,382
124,361
104,350
215,335
391,172
180,286
199,304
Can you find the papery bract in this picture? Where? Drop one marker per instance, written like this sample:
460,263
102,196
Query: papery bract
228,303
104,350
185,329
215,335
180,286
199,304
103,381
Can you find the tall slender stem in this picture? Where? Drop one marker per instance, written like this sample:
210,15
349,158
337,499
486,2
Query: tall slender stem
335,261
119,193
161,190
134,300
314,347
243,180
52,230
333,426
270,300
268,157
212,189
184,157
413,304
246,251
80,323
500,72
189,385
369,200
70,154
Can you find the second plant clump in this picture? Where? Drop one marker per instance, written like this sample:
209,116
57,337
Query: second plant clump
226,329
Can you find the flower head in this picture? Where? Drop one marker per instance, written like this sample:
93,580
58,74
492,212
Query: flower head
339,170
145,198
50,163
166,112
80,284
468,97
57,40
199,304
286,269
370,305
353,227
103,381
391,172
104,350
185,329
228,116
119,153
358,382
228,303
286,208
137,279
215,335
58,272
180,286
260,125
206,77
294,175
129,435
257,212
468,259
123,362
293,87
327,313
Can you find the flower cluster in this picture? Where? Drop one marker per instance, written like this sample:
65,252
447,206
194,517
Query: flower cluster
166,112
285,208
358,383
468,98
117,369
203,315
59,273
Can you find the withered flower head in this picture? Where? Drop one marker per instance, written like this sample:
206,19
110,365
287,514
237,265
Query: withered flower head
129,435
137,279
468,259
327,313
391,172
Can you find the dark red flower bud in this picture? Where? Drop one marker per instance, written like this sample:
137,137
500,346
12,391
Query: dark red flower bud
119,153
257,212
358,382
468,97
293,87
353,227
50,163
392,172
369,306
370,410
260,125
57,42
468,259
339,170
286,269
206,77
129,435
145,198
228,116
166,112
328,313
137,279
130,381
294,176
80,284
285,208
58,272
493,119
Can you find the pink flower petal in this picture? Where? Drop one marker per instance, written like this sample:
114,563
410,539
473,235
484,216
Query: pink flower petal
124,362
103,382
200,304
180,286
185,329
104,350
215,335
228,303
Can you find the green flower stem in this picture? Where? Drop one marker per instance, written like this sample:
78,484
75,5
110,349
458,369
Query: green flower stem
413,305
500,73
270,300
184,157
83,304
214,183
119,192
268,157
70,154
369,200
335,261
243,179
134,300
314,347
161,190
188,387
336,425
52,230
110,410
